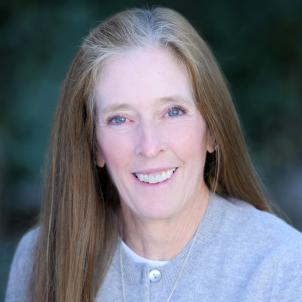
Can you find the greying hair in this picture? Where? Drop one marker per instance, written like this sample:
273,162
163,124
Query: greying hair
78,223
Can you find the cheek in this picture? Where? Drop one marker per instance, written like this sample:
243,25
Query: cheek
189,138
116,148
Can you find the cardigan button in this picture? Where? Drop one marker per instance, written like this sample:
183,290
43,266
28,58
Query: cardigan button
154,275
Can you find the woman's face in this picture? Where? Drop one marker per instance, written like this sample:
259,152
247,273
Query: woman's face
150,135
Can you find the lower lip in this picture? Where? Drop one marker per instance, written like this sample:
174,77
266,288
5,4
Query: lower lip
159,184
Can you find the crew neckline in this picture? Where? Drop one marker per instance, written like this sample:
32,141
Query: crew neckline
139,259
205,231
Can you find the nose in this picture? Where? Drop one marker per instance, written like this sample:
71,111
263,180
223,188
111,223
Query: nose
149,140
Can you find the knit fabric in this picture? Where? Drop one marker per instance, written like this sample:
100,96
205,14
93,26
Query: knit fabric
240,254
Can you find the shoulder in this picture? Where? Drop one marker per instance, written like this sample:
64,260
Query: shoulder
255,234
21,268
242,219
262,245
25,249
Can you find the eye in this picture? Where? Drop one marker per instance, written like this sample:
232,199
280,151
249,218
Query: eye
117,120
176,111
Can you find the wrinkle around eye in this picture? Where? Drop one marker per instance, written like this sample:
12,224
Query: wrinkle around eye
117,120
181,111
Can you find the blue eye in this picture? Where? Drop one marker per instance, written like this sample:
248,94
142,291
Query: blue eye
117,120
176,111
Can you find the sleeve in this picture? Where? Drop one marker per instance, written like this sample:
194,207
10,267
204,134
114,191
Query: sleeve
21,269
287,285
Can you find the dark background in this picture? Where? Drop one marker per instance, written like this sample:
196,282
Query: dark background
257,43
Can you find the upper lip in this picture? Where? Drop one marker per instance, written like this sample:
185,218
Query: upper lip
154,170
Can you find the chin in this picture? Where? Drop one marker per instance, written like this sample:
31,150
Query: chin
158,214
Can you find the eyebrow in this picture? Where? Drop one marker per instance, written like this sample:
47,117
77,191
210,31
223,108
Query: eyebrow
168,99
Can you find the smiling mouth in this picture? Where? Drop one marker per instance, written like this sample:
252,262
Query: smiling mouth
155,178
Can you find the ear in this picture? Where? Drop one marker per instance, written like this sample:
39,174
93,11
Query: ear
99,158
100,161
210,143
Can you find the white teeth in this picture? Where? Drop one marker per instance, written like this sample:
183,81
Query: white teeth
155,178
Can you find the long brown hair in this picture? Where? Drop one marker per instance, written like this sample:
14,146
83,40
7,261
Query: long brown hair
78,225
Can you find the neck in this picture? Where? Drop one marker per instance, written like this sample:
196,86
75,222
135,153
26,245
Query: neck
163,239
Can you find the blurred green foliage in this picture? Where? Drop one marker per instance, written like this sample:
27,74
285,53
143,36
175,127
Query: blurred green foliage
257,43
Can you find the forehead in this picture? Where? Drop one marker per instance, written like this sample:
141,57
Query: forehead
142,75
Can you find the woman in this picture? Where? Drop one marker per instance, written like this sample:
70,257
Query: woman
151,195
